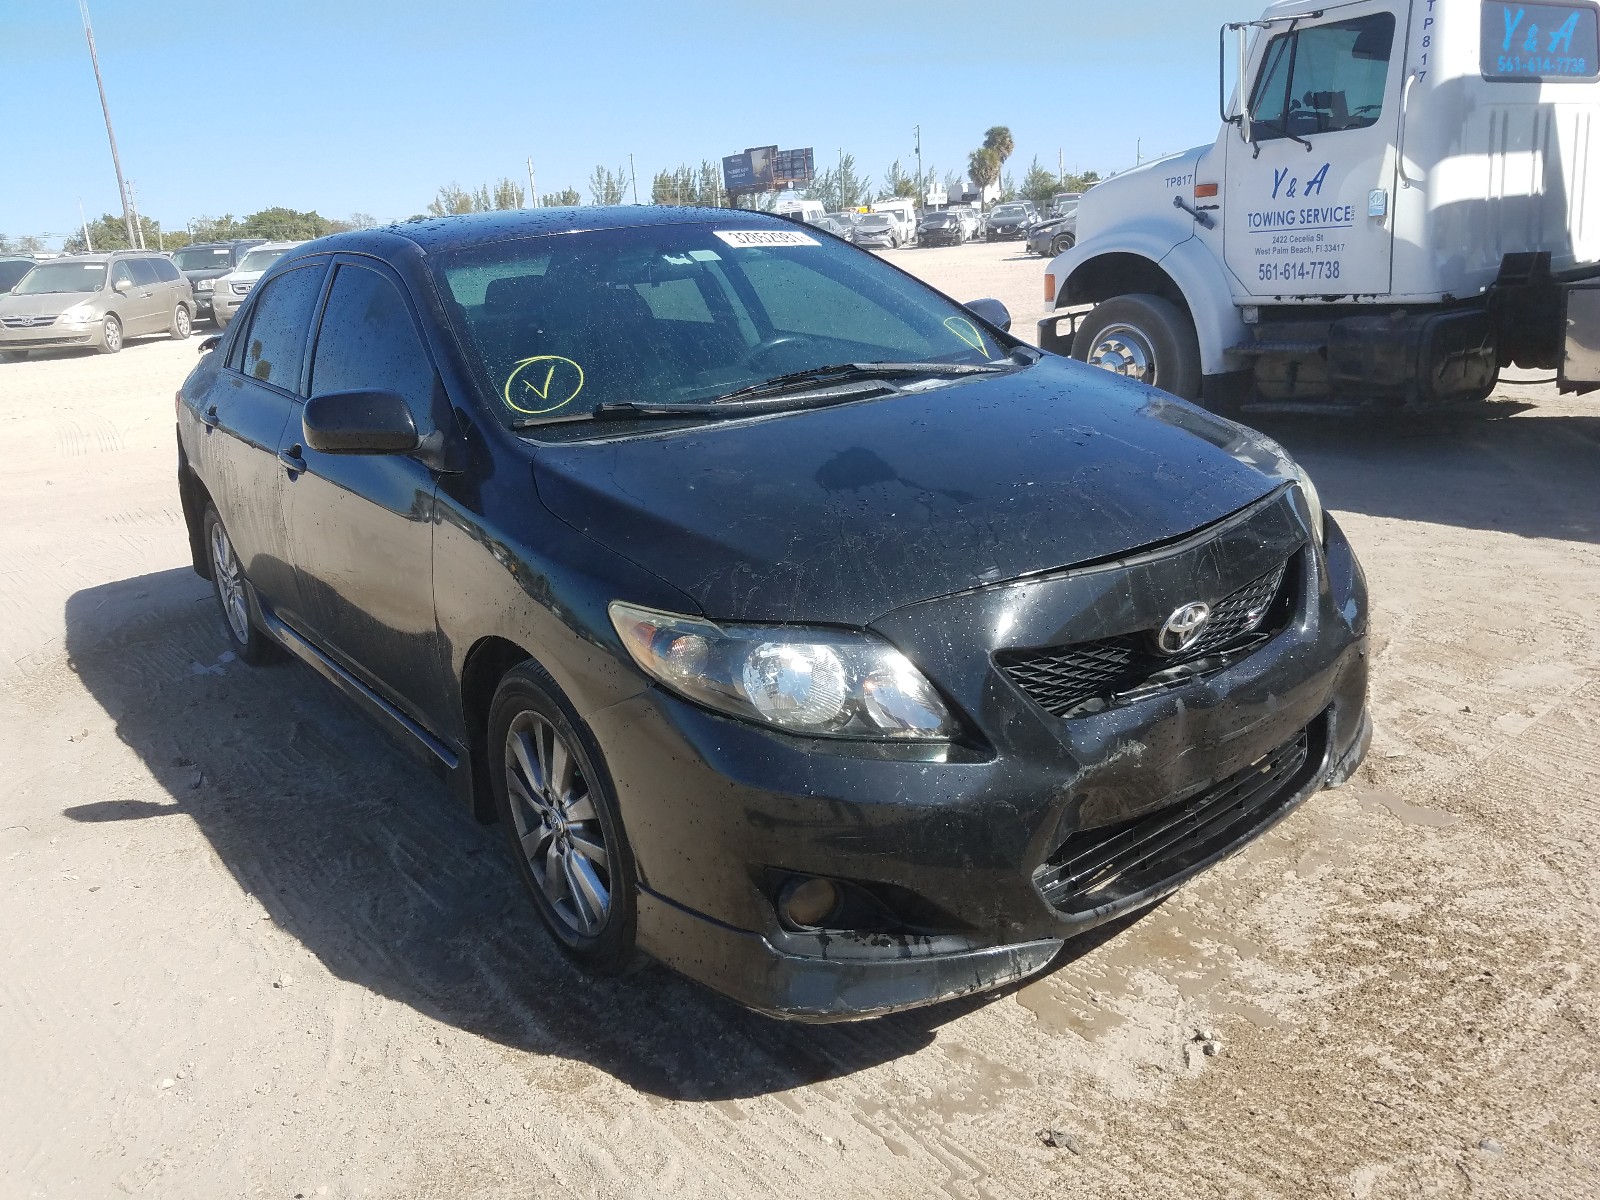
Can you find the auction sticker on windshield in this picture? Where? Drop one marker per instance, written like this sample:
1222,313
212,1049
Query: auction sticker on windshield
744,238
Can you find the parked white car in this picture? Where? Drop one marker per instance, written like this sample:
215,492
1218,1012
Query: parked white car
231,289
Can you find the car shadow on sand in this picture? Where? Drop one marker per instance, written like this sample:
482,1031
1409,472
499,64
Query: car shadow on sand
361,855
1495,466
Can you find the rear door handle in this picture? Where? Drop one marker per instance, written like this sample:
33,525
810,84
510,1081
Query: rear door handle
291,460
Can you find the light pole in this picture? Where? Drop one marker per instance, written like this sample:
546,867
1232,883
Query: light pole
116,161
532,186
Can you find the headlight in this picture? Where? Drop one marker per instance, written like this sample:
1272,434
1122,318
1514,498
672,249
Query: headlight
205,285
1261,451
76,315
818,682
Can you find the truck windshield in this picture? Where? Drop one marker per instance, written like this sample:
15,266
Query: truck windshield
203,258
1323,79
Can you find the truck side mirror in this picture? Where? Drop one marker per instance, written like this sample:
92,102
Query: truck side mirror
1242,53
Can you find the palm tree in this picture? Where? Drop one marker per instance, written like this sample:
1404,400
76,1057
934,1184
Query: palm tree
998,139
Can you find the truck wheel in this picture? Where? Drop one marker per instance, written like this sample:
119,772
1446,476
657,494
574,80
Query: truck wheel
1143,338
1062,243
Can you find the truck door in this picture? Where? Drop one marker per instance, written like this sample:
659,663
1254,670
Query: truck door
1311,192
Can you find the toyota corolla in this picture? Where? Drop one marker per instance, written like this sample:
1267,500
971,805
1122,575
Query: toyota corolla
803,629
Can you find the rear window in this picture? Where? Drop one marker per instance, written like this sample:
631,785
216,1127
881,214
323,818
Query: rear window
1534,42
203,258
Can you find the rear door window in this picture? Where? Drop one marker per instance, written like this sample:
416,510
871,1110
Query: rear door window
274,349
165,271
143,271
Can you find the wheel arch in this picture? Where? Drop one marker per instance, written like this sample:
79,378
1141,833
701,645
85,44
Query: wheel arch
1186,274
485,665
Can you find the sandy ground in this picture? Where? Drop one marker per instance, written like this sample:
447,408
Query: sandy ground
250,950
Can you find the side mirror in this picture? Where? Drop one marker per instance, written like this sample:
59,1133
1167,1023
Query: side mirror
360,423
992,311
121,287
211,343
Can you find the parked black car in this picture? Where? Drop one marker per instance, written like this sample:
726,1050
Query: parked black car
1009,220
804,630
941,229
203,263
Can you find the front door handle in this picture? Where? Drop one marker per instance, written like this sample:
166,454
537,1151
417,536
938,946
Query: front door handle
291,460
210,417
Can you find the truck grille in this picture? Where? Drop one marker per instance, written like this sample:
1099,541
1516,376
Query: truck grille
1062,679
1100,866
27,322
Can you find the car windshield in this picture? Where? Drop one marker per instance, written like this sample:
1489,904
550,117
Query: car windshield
202,258
62,277
260,260
1005,211
685,314
877,220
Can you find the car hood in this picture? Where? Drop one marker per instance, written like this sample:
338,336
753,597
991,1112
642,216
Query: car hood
46,304
842,514
212,273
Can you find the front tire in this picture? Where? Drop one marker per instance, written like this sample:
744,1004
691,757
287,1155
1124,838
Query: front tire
235,598
1144,338
559,812
13,356
110,335
181,326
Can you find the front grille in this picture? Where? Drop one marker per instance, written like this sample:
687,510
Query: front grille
1101,866
1064,679
27,322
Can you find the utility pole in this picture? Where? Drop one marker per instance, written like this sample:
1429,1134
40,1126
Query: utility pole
635,179
921,187
138,222
116,161
87,244
1138,151
1061,166
533,187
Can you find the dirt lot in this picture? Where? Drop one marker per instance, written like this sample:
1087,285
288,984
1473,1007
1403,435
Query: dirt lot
250,950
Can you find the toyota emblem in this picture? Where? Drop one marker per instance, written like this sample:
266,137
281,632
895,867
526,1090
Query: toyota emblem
1183,628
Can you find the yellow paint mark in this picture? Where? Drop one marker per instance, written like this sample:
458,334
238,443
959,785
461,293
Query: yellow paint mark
562,377
968,333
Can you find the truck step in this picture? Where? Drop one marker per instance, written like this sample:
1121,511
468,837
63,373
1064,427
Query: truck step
1263,348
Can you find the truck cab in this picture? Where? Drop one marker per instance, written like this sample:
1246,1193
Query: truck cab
1396,207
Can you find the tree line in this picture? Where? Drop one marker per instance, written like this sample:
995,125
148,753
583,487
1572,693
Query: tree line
838,187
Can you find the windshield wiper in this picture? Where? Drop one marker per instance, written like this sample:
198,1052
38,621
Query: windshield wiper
825,385
1283,128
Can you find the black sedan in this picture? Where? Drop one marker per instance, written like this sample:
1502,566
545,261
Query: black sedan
1009,221
803,629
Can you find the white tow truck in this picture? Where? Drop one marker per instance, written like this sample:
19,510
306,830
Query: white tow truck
1404,198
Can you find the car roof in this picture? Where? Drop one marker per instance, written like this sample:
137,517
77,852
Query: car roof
437,235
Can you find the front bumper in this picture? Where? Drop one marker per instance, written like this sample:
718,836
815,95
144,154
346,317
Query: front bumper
1007,233
951,841
46,337
940,237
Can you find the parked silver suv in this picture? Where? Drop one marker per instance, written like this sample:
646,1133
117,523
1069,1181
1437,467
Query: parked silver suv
97,300
229,291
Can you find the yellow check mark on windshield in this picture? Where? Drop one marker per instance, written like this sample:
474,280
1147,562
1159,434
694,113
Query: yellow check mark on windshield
542,392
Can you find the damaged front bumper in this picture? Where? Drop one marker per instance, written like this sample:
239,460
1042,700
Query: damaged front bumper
974,854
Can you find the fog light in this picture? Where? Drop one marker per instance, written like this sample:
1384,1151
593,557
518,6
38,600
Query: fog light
810,902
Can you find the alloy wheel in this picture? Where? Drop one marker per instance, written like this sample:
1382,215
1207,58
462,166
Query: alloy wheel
558,826
182,322
230,582
113,335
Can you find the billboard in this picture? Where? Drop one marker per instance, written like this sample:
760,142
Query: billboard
767,169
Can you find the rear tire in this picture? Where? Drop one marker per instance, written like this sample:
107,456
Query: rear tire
235,597
13,356
110,335
560,816
1062,243
1144,338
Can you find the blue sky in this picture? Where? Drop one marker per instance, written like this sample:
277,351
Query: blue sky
359,106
